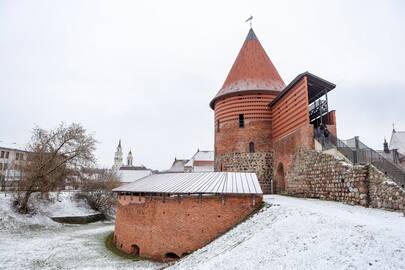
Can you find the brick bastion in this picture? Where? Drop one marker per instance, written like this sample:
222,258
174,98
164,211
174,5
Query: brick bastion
163,228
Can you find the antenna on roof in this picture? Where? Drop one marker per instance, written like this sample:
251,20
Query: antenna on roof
250,19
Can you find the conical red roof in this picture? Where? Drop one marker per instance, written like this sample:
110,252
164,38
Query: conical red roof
251,71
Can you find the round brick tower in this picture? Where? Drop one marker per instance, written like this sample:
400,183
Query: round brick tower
243,139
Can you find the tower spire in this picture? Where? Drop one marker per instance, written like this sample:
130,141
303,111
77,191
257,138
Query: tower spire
251,71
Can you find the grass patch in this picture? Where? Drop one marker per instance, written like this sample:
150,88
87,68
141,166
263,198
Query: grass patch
109,244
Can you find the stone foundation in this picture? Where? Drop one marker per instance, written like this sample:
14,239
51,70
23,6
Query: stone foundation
260,163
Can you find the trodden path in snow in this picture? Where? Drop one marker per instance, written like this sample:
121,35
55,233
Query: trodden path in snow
307,234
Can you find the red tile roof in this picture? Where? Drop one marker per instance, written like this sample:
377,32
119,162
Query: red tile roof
251,71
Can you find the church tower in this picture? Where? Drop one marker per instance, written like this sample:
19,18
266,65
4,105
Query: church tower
130,159
243,120
118,157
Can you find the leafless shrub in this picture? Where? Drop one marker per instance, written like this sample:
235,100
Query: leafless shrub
98,192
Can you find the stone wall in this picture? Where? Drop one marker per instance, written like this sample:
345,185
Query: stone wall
260,163
384,193
162,228
315,174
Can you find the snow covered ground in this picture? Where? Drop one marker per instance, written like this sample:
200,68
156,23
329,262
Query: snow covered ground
37,242
308,234
291,234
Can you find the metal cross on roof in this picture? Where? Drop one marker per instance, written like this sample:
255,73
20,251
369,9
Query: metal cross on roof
250,19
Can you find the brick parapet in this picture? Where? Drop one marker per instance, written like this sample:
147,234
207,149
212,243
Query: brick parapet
176,225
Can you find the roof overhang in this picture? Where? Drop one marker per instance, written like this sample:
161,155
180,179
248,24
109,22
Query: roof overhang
235,183
238,93
317,87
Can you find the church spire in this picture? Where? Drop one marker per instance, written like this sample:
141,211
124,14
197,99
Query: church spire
130,159
118,157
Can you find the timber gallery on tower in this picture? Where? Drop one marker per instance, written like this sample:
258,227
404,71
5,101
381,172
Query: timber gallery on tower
259,124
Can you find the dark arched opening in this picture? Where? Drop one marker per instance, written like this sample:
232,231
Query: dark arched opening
172,255
135,250
251,147
279,179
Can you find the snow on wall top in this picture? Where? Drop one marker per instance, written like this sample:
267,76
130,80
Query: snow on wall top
196,183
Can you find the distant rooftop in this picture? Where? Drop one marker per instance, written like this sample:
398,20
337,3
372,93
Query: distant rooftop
196,183
178,165
201,155
11,145
398,141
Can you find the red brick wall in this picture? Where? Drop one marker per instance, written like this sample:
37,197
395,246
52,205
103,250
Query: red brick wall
291,111
175,225
284,150
229,138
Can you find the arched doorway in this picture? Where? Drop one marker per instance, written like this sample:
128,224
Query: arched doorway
279,179
135,250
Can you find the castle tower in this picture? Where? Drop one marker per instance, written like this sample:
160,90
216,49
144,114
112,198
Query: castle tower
118,157
243,120
130,159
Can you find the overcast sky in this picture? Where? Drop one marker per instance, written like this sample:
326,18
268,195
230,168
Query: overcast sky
145,71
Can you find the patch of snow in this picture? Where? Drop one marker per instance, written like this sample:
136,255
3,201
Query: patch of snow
37,242
307,234
62,204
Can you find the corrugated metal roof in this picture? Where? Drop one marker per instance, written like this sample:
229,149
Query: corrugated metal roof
204,183
127,176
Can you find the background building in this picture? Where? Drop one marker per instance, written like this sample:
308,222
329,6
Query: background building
129,172
395,150
12,157
201,161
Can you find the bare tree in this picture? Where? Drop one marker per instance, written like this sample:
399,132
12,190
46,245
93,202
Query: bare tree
54,156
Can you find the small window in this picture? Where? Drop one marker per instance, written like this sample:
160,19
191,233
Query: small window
7,154
241,121
218,125
2,154
251,147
